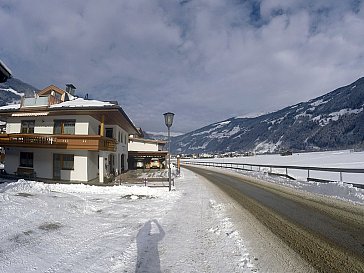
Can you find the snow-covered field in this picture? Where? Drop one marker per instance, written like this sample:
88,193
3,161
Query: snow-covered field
334,159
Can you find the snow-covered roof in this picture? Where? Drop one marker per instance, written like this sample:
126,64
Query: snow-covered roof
144,140
79,102
10,107
35,114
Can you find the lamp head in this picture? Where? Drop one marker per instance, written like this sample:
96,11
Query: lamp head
168,118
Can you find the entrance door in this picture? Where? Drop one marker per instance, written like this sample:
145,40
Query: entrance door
57,166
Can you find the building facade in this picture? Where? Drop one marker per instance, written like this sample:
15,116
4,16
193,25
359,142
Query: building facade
58,136
146,153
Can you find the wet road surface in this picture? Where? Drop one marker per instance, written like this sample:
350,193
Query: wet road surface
328,233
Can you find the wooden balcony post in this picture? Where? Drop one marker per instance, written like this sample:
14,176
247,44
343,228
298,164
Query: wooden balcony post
102,127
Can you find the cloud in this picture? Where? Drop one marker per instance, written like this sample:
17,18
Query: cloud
204,60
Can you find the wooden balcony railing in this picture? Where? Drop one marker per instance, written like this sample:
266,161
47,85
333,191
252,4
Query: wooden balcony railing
68,142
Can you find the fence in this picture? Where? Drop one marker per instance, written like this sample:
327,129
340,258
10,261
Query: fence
148,181
274,170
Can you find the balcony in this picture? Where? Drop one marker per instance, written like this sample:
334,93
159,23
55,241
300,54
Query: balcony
67,142
42,101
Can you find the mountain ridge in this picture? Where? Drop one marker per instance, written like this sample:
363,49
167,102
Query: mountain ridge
13,88
334,120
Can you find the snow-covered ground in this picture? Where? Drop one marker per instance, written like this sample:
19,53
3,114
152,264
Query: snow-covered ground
81,228
334,159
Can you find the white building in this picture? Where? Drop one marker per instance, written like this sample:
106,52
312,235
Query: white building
146,153
58,136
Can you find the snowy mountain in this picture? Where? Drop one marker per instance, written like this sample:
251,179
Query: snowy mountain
332,121
12,89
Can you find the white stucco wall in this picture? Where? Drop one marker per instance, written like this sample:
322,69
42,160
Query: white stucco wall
44,125
13,127
43,162
93,127
80,172
122,148
142,146
11,160
92,165
85,163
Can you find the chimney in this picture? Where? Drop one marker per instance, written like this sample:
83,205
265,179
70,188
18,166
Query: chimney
70,88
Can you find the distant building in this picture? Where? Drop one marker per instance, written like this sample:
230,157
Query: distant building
55,135
5,72
146,153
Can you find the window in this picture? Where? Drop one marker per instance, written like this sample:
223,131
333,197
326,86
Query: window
26,159
27,126
68,162
64,127
109,132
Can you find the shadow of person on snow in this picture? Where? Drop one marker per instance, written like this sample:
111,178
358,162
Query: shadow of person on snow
147,243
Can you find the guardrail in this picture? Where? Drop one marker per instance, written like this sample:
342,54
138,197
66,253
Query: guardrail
285,168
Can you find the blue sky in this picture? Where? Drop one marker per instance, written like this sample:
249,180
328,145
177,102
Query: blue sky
205,60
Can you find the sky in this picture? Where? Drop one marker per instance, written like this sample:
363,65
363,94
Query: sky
204,60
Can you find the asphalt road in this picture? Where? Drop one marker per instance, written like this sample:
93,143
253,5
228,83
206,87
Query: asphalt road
327,233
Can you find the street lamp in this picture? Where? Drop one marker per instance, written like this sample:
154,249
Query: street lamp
168,118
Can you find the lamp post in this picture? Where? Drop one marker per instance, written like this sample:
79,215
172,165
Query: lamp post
168,118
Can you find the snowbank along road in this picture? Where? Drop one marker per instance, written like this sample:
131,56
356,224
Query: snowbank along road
327,233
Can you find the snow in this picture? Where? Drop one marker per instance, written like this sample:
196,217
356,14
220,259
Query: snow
337,190
278,121
318,103
224,122
207,131
201,147
336,115
81,228
251,115
12,91
265,147
165,134
302,115
333,159
194,228
79,102
10,107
